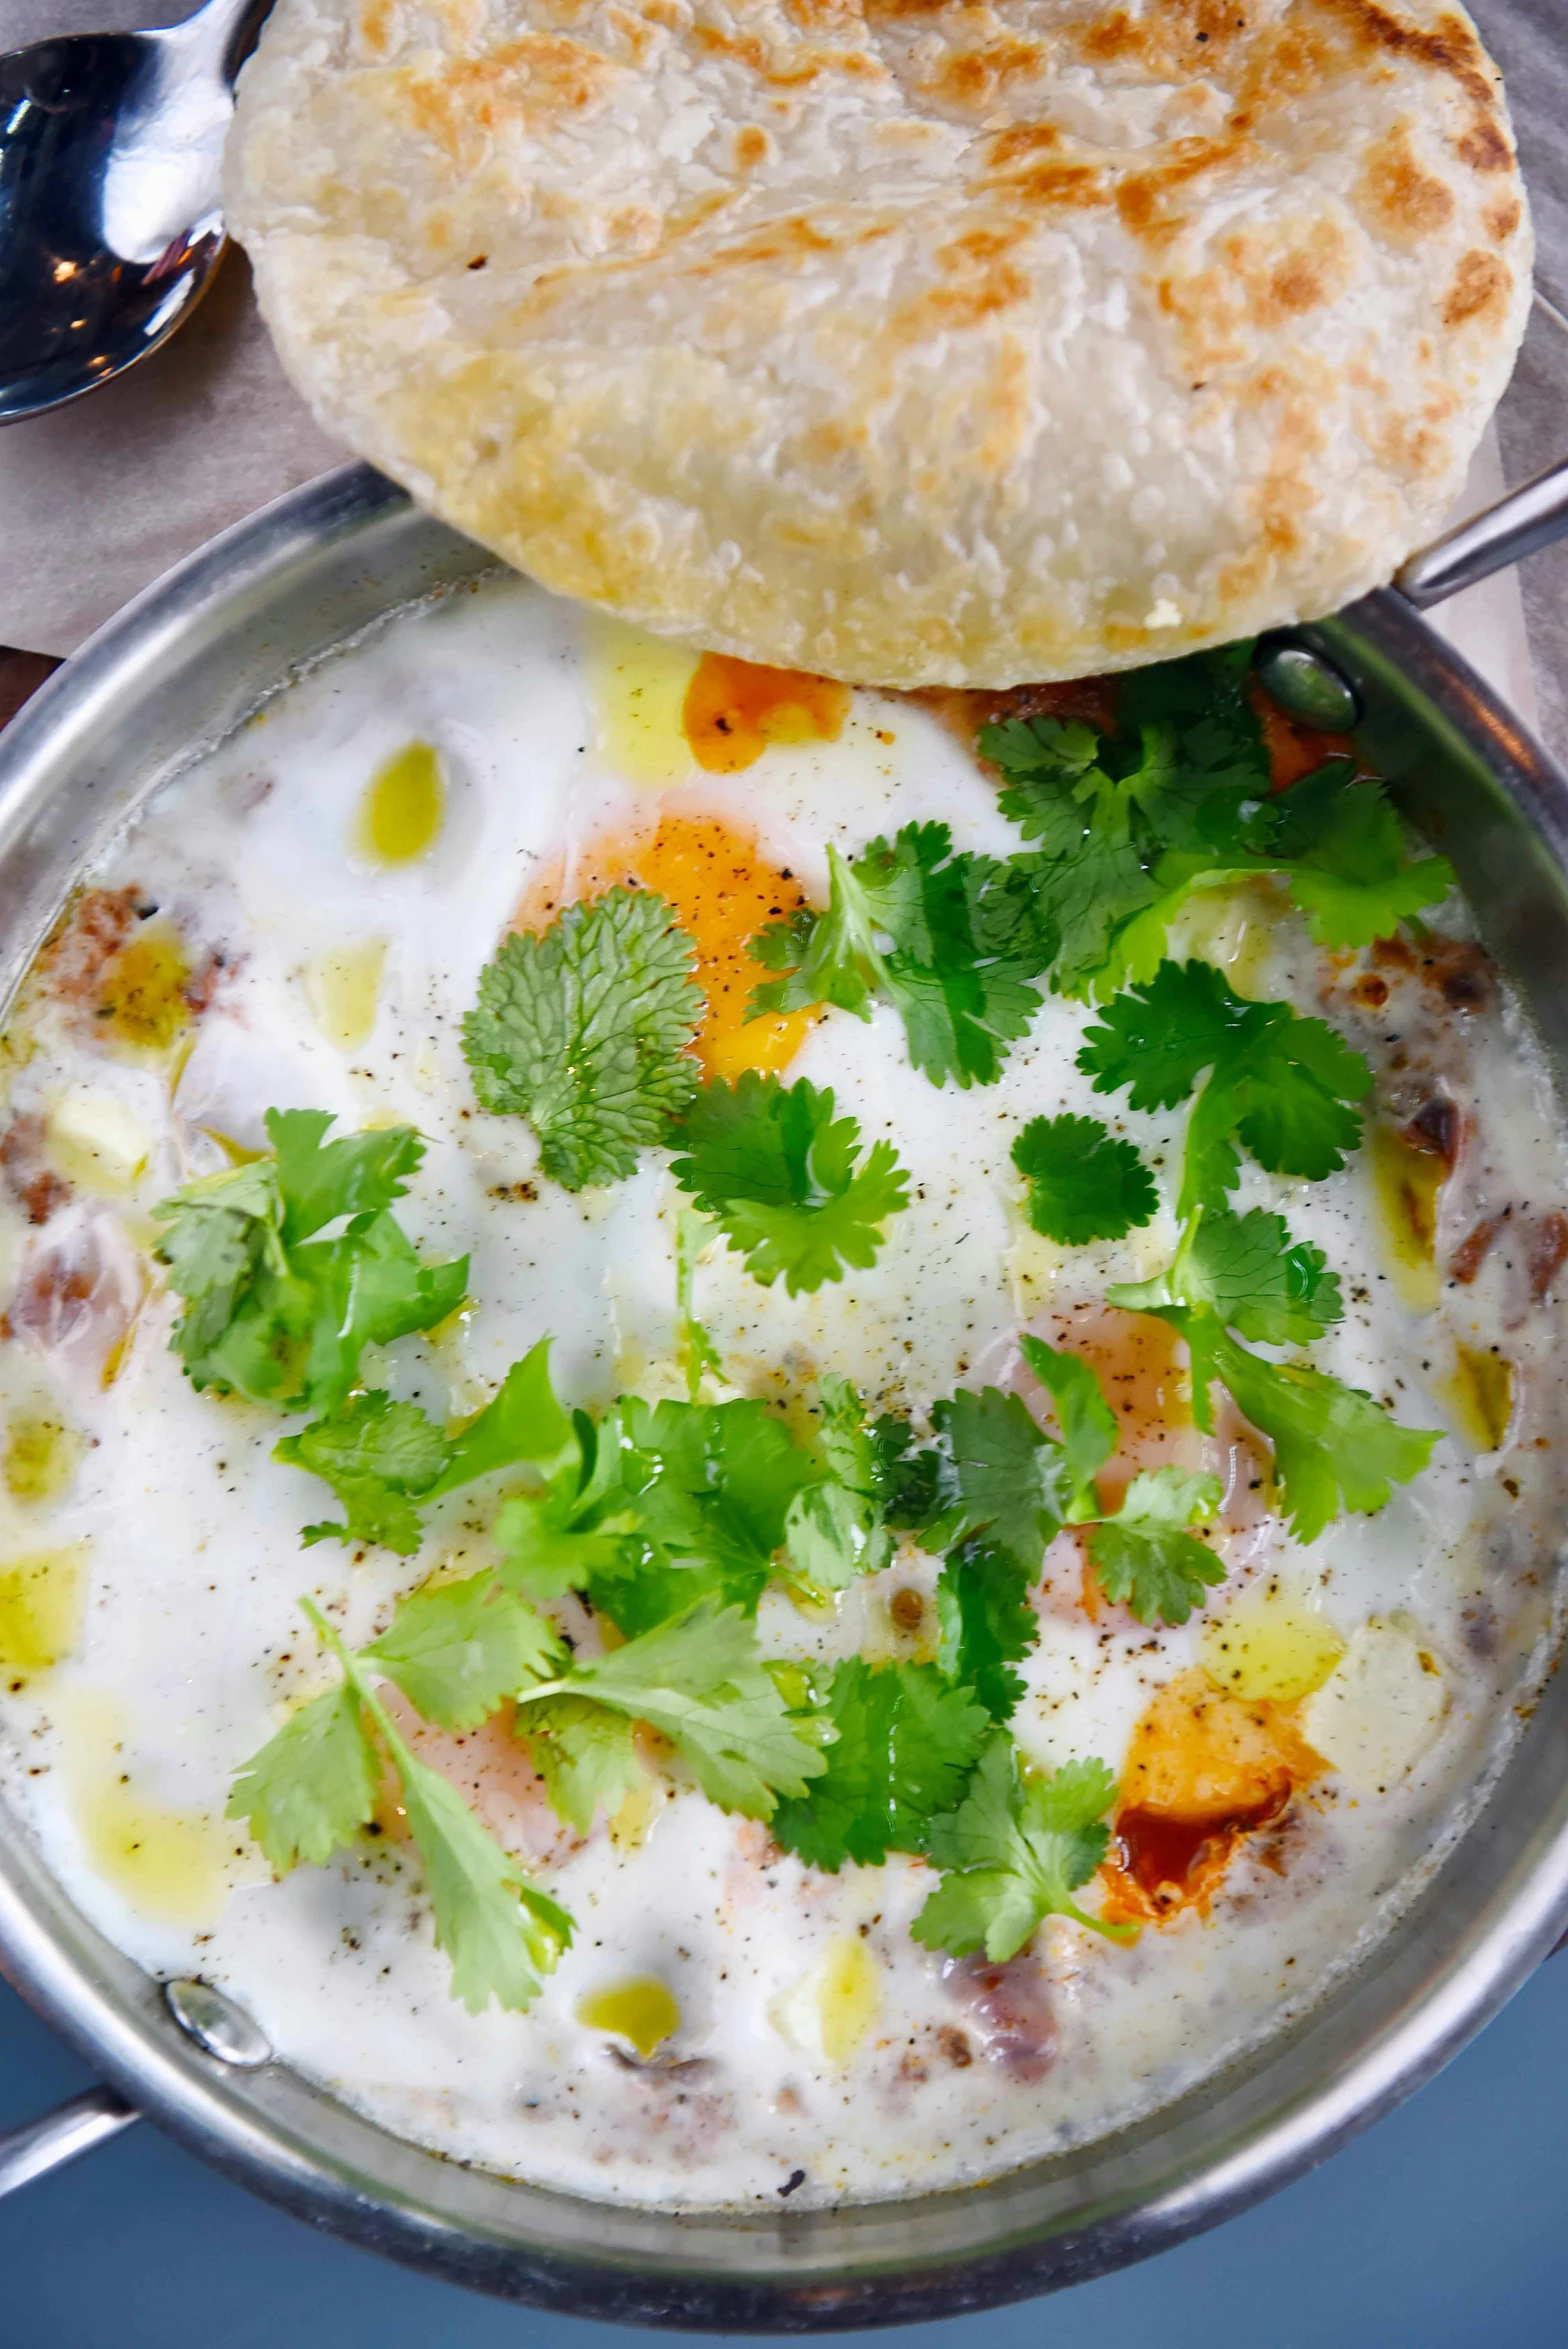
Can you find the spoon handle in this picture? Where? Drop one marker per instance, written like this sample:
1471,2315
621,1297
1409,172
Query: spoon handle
221,35
1518,525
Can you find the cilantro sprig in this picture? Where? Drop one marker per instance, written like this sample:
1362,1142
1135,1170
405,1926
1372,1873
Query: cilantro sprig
1131,824
950,940
998,1490
313,1787
275,1311
1014,1852
1280,1084
698,1680
778,1173
1335,1447
1083,1183
458,1651
585,1031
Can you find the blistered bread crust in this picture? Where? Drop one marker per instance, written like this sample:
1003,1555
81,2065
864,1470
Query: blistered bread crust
915,344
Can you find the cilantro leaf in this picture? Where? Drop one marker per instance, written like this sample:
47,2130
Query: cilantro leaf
1088,1423
1335,1448
950,940
1007,1471
457,1650
275,1314
586,1755
830,1536
1278,1083
522,1421
1250,1273
906,1738
697,1680
1091,896
1348,869
500,1931
776,1170
914,1486
1083,1184
1145,1559
1053,784
379,1457
1014,1851
585,1031
710,1486
985,1624
358,1174
837,1529
312,1786
384,1459
222,1230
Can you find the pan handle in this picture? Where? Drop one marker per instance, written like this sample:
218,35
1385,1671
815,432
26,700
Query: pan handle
59,2136
1518,525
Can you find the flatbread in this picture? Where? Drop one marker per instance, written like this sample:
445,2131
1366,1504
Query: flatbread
907,342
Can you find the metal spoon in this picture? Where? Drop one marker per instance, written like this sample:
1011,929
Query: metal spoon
110,226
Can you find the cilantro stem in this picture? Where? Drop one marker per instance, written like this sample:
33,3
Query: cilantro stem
695,1350
360,1682
543,1688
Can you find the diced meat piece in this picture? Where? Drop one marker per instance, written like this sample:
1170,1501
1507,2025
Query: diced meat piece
90,935
1546,1251
77,1295
1011,2008
1458,971
1473,1250
205,980
31,1181
1437,1128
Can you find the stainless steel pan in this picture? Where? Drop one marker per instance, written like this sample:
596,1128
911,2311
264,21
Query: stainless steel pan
173,673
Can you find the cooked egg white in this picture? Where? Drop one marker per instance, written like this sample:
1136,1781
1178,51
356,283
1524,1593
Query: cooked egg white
329,884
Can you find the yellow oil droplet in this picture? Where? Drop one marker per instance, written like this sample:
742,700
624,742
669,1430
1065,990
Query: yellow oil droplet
40,1607
343,989
643,2011
1407,1182
39,1458
142,998
167,1864
830,2010
1481,1394
635,1815
638,686
849,1996
403,805
1270,1643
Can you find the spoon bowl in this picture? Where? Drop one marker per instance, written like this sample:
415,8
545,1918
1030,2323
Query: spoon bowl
110,217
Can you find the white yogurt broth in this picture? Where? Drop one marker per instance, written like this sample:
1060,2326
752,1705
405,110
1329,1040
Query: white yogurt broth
814,2034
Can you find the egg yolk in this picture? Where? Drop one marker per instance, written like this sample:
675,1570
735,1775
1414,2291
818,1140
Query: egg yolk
734,709
723,892
1204,1769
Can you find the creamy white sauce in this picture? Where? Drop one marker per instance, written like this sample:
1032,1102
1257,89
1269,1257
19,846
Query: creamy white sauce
191,1642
